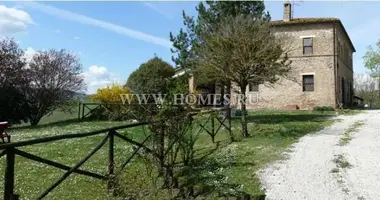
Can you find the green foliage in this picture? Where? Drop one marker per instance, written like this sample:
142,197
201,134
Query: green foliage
189,46
110,112
239,112
372,60
209,17
244,51
241,51
323,108
152,77
226,169
372,63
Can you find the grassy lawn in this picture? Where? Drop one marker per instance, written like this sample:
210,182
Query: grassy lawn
271,133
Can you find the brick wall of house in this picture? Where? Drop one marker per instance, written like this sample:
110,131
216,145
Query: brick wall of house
345,68
288,92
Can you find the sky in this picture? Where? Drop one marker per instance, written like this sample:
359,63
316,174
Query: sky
112,39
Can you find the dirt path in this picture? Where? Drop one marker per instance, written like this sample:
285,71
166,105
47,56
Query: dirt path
339,162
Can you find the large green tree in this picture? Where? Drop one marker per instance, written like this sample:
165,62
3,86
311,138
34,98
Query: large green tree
151,78
243,51
210,16
372,62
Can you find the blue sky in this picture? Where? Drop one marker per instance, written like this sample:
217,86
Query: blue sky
113,38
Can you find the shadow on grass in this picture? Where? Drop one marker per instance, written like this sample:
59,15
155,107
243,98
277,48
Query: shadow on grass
276,118
205,177
57,124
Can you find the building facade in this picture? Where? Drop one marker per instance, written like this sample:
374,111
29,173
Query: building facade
321,69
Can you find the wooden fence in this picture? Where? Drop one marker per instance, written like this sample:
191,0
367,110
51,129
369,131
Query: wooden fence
216,118
11,149
85,109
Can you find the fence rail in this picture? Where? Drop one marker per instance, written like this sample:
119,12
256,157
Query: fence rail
10,150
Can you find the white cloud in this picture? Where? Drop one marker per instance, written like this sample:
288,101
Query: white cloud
82,19
29,53
13,21
155,8
76,38
98,77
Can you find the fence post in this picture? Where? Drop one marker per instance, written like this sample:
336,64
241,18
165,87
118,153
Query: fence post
9,175
111,176
229,120
213,127
79,110
82,116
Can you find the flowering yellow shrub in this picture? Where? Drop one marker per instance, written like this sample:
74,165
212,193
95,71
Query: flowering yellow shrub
110,94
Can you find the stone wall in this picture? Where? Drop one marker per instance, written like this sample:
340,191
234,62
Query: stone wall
345,68
288,92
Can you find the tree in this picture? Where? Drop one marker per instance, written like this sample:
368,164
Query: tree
243,50
209,17
12,81
55,77
372,61
152,78
365,87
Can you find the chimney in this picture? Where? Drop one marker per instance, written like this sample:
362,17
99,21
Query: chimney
287,11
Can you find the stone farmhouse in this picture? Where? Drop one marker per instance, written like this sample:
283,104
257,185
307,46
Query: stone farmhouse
322,67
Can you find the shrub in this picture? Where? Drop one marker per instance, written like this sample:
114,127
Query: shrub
323,108
114,111
239,112
110,94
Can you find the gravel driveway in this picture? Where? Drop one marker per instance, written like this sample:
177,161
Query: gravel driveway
339,162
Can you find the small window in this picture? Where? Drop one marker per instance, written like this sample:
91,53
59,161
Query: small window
307,45
253,87
308,83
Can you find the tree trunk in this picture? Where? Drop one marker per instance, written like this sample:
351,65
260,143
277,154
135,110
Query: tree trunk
228,114
158,145
161,147
244,126
34,121
222,95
